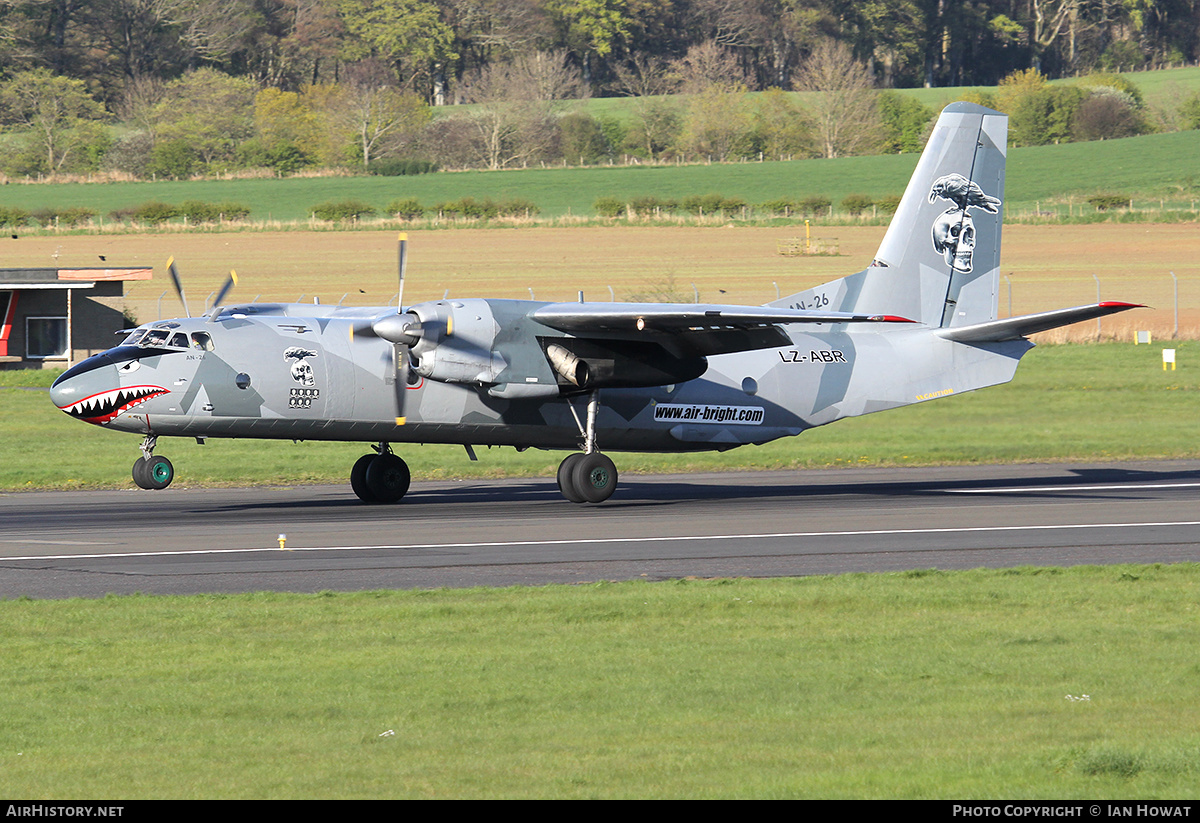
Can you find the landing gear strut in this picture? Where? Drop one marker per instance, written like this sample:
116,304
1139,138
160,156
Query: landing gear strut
151,471
587,477
381,477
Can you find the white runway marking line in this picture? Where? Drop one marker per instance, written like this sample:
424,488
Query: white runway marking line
600,540
1113,487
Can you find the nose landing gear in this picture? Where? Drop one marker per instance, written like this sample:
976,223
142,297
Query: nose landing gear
151,471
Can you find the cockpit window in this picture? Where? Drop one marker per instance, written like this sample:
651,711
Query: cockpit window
132,339
179,341
155,338
202,340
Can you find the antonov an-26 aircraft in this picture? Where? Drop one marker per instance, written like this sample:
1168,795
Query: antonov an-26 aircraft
919,323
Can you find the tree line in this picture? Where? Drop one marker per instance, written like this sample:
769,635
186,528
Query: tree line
175,88
435,47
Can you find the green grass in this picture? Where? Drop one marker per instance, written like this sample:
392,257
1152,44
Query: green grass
1023,684
1148,166
1099,402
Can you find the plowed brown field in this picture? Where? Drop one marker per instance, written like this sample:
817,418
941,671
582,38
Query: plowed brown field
1043,267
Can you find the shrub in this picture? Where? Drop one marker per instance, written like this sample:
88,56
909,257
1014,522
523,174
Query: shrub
815,205
398,167
582,138
199,211
10,216
342,210
467,207
154,212
783,207
72,216
172,158
608,206
888,204
856,204
1104,202
407,208
233,211
646,206
486,209
703,203
518,207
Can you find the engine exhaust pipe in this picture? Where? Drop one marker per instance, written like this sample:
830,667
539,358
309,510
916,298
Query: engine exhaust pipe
568,365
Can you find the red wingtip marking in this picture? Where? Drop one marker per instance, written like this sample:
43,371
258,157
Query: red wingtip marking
1109,304
892,318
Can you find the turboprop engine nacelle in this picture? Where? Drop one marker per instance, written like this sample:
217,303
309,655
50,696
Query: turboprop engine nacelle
449,340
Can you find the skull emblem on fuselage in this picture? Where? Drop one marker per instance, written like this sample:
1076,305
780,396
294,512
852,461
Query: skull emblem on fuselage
302,371
954,238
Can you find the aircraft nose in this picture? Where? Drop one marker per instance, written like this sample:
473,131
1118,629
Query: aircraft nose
81,390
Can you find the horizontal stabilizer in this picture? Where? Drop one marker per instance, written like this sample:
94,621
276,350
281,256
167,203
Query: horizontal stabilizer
1012,328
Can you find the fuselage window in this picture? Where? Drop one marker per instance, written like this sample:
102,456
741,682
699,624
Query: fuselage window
202,340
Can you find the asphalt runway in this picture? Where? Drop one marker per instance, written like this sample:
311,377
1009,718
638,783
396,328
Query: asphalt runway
521,532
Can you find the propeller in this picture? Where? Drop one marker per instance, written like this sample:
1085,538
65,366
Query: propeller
171,270
214,310
402,328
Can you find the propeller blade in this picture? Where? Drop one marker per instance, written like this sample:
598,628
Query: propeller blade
230,282
403,240
178,284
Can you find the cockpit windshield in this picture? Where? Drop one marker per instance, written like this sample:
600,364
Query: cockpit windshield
167,338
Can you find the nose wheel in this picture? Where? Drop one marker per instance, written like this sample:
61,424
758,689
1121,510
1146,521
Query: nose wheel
380,478
151,471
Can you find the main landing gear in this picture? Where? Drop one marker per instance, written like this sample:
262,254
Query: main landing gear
151,471
588,476
381,477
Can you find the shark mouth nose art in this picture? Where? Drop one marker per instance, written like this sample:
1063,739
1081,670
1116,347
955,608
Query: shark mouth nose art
101,408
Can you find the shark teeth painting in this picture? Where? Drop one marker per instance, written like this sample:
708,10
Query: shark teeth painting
104,407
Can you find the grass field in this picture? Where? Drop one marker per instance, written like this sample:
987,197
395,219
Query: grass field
1157,167
1020,684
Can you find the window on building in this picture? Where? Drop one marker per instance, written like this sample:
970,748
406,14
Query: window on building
45,337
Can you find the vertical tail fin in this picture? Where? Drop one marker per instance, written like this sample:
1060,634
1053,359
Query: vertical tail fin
939,261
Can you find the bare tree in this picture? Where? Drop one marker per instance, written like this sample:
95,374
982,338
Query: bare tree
645,75
378,113
515,104
710,65
843,100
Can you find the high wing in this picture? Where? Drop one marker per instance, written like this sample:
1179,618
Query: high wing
697,329
1012,328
